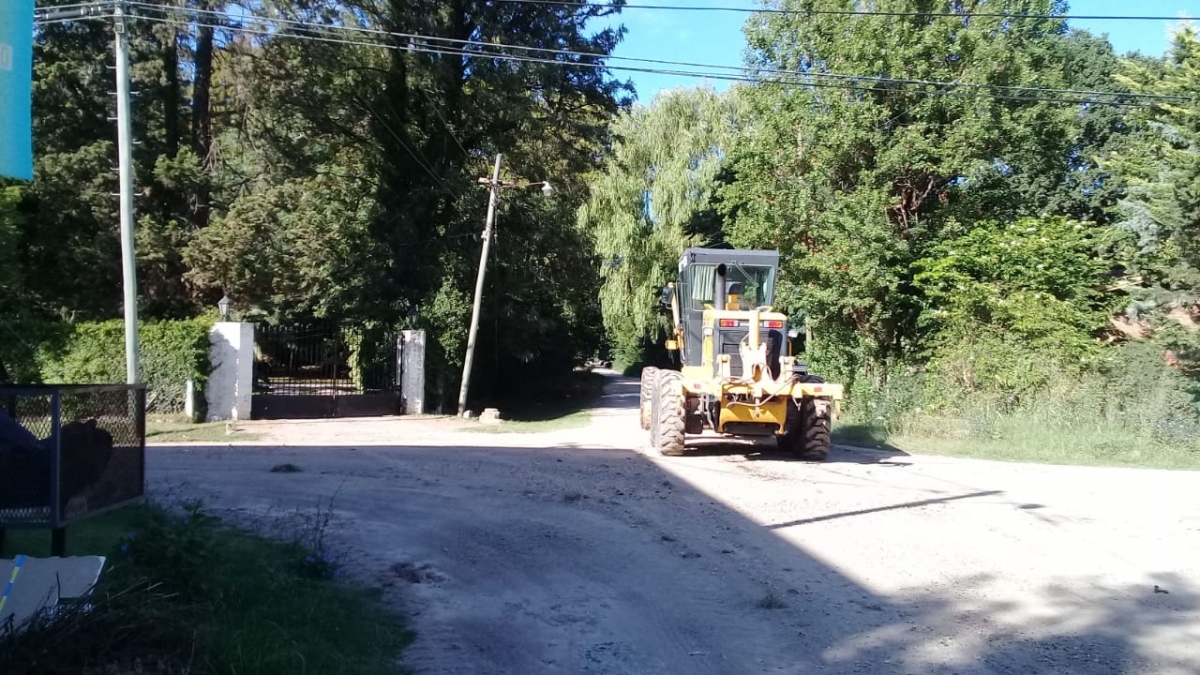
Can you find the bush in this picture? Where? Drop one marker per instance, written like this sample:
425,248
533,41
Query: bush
1126,406
178,546
172,352
20,344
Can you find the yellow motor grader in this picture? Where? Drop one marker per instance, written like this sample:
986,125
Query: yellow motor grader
737,375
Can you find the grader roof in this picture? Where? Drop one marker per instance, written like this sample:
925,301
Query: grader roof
711,256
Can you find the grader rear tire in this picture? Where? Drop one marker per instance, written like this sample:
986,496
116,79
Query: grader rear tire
669,423
646,395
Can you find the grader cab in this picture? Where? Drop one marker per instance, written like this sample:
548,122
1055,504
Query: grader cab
737,375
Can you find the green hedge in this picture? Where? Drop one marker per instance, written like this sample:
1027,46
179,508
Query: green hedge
172,352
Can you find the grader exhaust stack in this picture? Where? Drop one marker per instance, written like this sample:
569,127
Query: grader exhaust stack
736,378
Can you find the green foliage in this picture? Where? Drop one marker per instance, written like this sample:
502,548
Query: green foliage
172,352
651,200
179,547
854,186
951,252
1041,281
1161,165
371,351
12,302
312,180
186,594
449,309
20,343
1127,407
292,251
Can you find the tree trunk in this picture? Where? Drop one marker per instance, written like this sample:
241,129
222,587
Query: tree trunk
202,115
170,56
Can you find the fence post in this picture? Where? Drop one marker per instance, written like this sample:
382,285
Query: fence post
411,371
189,399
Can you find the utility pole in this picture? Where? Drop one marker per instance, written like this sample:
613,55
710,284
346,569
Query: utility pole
125,159
493,199
494,187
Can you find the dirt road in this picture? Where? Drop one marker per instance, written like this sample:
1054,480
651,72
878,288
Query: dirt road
576,552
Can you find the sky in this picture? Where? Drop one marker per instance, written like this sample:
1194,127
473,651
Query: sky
716,37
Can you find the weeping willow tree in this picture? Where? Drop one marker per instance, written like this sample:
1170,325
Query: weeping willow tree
653,198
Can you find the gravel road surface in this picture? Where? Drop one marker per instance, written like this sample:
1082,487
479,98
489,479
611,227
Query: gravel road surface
578,552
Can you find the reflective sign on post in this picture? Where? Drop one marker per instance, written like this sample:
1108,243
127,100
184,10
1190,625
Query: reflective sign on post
16,75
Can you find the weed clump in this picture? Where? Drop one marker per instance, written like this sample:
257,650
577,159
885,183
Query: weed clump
186,594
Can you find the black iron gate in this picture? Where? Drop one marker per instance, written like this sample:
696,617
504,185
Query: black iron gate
320,370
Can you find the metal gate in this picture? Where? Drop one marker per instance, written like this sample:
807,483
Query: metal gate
324,370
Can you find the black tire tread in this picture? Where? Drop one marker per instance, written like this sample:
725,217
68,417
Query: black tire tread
669,439
645,395
808,433
814,438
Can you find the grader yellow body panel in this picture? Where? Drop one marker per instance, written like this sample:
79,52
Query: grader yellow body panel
735,376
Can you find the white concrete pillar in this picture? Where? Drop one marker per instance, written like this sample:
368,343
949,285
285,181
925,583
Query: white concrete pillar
411,370
231,380
189,399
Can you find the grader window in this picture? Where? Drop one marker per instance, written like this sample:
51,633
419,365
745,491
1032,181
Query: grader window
746,286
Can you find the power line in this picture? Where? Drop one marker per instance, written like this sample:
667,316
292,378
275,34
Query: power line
415,153
742,73
839,12
72,6
681,73
747,78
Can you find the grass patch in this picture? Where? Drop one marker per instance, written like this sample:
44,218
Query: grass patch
1020,438
181,430
182,593
1001,401
575,420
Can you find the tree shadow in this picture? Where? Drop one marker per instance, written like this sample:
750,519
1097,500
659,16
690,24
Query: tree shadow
547,400
597,560
863,436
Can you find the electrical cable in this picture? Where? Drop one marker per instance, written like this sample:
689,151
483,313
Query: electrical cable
847,12
740,70
681,73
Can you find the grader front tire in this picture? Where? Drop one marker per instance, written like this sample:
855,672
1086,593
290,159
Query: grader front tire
646,395
669,418
808,428
814,431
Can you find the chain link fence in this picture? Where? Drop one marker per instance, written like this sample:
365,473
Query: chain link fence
68,451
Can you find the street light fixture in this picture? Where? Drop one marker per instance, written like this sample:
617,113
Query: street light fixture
495,185
223,306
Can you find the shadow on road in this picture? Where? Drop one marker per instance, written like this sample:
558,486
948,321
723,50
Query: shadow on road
594,560
881,509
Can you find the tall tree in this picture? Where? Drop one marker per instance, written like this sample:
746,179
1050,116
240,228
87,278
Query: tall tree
1162,168
652,199
371,160
853,180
